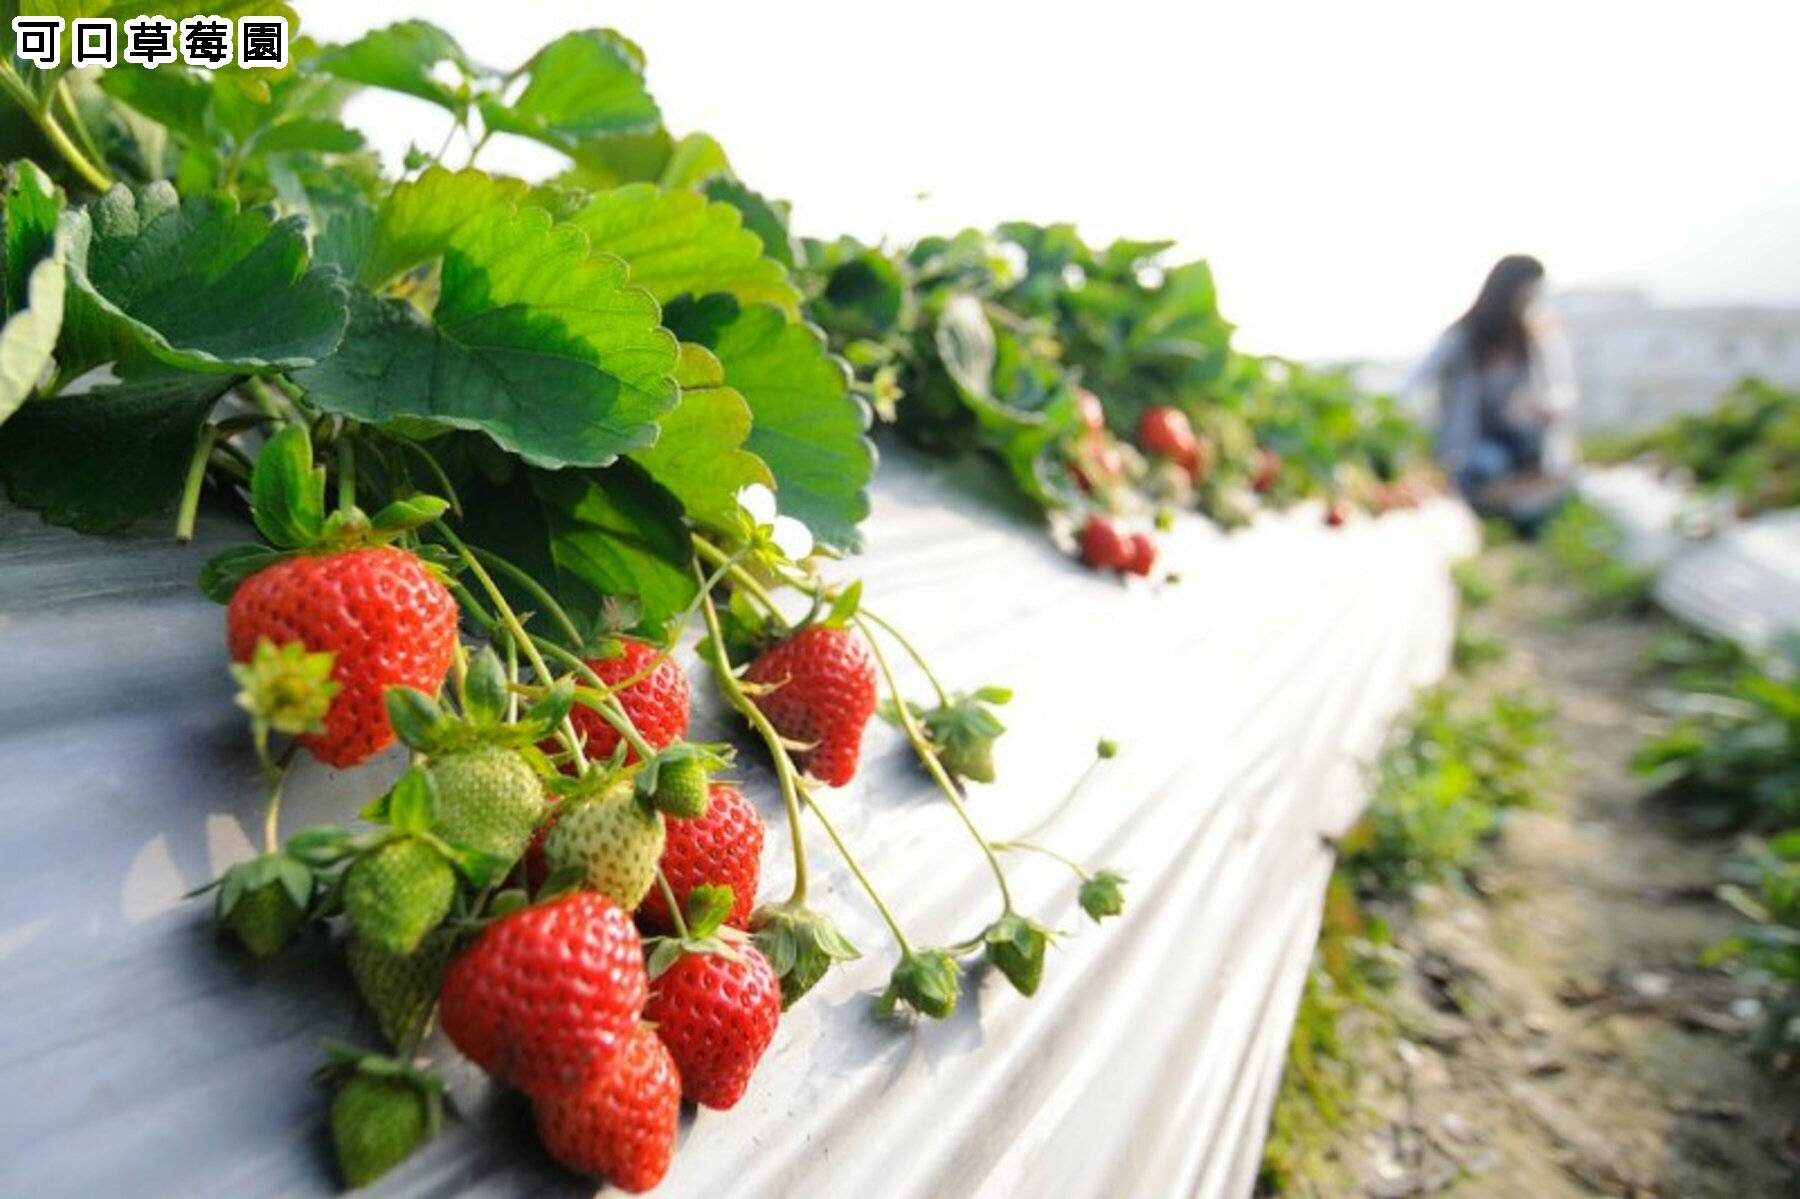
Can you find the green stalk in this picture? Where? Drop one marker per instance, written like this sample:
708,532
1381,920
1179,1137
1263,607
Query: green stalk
857,870
1081,871
346,464
739,576
922,747
510,621
913,652
610,710
93,175
668,894
536,589
784,766
189,509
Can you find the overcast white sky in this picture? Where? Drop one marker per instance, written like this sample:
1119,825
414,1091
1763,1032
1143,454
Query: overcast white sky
1351,169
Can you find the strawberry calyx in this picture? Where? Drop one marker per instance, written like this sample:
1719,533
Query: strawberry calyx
286,688
409,810
704,931
383,1110
427,726
1016,945
264,901
962,729
800,943
675,781
287,505
926,980
1102,894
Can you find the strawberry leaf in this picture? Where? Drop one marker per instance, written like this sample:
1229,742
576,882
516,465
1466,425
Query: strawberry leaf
808,426
766,218
402,58
194,283
534,341
583,85
699,456
104,459
32,255
287,493
680,243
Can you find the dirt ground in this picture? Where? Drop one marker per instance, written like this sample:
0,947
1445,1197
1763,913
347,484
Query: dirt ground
1558,1035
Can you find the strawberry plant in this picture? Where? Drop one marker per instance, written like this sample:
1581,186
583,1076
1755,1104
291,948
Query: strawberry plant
498,445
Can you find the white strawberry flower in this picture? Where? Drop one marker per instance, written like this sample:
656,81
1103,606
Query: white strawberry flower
763,527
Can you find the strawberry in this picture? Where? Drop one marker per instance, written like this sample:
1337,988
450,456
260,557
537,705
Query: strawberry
622,1126
400,989
823,693
546,996
1103,546
657,704
489,798
681,789
1093,414
1143,555
1335,515
721,848
614,839
376,1123
1166,433
716,1011
384,1109
1268,471
397,893
385,618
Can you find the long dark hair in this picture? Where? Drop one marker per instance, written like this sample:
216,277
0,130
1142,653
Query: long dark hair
1492,324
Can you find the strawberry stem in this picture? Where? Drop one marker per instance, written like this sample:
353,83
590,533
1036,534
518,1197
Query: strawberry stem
856,869
739,576
346,464
189,510
784,766
510,621
668,894
912,651
535,589
275,772
607,704
928,756
1081,871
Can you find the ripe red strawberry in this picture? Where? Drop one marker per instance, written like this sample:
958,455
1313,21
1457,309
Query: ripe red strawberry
657,705
622,1126
545,997
723,847
1335,516
383,615
1103,546
1143,555
717,1015
824,693
1167,433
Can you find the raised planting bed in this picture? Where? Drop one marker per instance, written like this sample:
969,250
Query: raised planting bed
143,1058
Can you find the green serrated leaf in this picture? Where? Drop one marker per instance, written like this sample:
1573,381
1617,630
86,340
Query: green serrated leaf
584,85
766,218
400,58
699,456
808,426
194,283
105,459
534,341
680,243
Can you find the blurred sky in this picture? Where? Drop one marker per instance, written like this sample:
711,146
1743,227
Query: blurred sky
1350,169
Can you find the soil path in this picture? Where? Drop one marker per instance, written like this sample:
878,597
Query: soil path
1559,1036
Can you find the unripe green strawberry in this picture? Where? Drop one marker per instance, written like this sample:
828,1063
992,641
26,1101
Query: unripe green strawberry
400,989
488,799
396,894
264,919
681,788
613,839
376,1123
